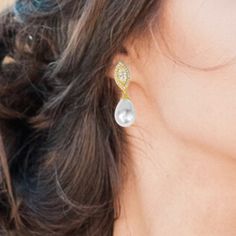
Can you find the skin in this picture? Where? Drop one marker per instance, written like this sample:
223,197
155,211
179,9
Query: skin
5,3
182,178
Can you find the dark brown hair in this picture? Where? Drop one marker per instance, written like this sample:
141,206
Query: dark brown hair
62,155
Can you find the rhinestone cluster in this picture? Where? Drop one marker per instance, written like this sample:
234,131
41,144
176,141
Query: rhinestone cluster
122,76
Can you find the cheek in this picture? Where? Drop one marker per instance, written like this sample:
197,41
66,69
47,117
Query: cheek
200,109
201,33
200,106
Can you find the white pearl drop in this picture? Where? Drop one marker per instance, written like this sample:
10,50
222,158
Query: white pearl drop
125,113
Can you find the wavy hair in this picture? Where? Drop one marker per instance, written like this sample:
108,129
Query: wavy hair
62,156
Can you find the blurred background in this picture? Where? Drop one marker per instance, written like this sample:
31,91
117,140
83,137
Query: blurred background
5,3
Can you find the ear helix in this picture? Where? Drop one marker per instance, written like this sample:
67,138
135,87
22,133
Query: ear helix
125,113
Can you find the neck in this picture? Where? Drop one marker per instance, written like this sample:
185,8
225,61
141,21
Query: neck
174,187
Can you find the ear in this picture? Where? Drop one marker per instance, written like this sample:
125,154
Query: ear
123,56
126,55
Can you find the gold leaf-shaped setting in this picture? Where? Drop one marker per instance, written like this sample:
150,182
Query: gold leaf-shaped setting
122,76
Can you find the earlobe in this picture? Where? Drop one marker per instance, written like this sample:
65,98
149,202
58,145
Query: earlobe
122,55
116,59
127,56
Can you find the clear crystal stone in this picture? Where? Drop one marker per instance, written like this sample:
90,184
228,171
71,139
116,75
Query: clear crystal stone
123,76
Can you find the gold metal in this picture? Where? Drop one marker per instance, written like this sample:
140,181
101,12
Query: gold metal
122,78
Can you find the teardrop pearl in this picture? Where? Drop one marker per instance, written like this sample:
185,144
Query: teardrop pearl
125,113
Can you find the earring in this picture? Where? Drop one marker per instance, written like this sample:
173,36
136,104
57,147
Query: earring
125,113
